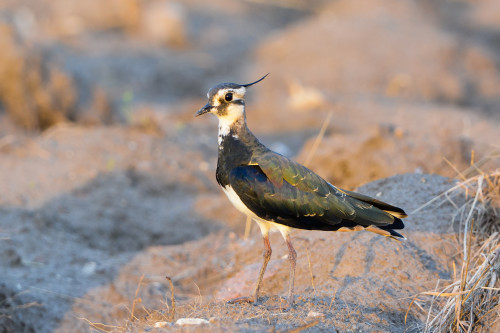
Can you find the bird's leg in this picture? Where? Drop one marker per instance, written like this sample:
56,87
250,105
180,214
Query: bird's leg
267,256
292,257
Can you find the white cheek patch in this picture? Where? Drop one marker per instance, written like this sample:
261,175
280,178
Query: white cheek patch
234,113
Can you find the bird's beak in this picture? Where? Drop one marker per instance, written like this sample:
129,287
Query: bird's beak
207,108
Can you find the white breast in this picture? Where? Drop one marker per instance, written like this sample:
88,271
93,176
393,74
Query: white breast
264,225
236,201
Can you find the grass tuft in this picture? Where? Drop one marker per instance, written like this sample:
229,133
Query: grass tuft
471,302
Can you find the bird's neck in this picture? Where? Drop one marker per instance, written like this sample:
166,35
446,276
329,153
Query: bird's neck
231,127
236,146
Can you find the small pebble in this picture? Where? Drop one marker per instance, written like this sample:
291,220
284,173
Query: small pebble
313,314
161,324
89,268
191,321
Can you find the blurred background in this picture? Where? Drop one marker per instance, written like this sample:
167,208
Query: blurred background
100,156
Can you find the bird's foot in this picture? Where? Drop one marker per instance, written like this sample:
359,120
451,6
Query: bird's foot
245,299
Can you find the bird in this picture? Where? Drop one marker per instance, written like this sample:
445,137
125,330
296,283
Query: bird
281,194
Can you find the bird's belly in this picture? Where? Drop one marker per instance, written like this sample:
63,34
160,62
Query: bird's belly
265,226
236,201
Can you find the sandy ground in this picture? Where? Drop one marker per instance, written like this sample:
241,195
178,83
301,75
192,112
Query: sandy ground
96,210
343,276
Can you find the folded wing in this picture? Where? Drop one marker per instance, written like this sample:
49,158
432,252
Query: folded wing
281,190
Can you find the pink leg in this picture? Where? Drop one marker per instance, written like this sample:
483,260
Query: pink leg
292,257
267,256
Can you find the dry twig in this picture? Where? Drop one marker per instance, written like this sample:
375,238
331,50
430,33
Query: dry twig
171,313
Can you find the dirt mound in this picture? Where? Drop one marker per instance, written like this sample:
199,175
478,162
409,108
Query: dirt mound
77,241
344,276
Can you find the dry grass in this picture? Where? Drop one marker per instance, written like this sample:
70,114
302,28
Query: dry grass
35,95
483,206
471,302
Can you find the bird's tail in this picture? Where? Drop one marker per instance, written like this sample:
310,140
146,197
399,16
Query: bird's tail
387,230
397,212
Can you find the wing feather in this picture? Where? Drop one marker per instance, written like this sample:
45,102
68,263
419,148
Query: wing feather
393,210
278,189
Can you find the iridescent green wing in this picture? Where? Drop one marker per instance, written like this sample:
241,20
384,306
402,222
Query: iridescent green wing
279,168
292,185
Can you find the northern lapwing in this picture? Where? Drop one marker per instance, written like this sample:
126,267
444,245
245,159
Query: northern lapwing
281,194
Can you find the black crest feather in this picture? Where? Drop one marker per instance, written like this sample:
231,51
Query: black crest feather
251,84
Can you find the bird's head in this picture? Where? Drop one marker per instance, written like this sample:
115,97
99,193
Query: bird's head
227,101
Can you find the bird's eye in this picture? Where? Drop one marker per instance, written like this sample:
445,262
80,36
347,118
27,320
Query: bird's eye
228,97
